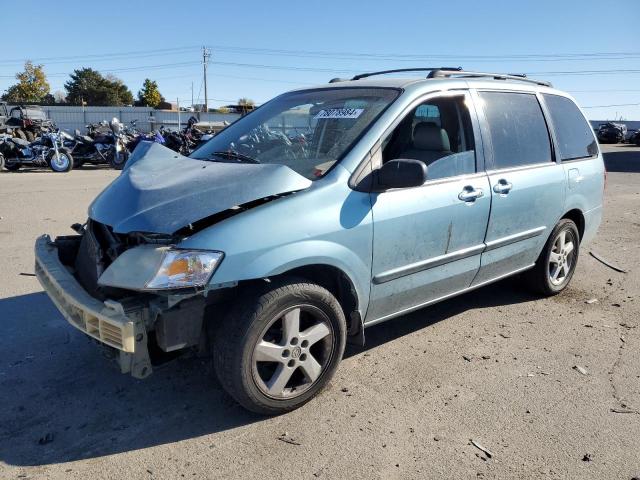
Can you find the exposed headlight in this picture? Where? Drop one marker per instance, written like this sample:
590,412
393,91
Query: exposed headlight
184,268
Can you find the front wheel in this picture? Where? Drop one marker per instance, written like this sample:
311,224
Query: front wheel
12,167
558,260
279,347
119,159
62,161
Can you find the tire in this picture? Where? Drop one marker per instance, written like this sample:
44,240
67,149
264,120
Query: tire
12,167
20,134
549,277
62,163
269,368
118,161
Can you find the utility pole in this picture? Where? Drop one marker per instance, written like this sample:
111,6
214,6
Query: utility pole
205,57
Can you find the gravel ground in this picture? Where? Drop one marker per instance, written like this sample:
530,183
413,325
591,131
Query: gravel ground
537,382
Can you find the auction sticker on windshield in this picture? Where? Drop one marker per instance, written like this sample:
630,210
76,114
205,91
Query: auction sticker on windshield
340,113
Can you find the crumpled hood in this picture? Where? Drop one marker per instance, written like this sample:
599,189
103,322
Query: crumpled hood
161,191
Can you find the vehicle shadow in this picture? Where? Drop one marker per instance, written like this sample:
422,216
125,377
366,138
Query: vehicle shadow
624,161
62,401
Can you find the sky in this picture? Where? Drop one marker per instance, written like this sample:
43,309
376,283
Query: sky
260,49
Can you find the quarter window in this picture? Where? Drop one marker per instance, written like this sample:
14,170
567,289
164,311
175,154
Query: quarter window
519,134
575,137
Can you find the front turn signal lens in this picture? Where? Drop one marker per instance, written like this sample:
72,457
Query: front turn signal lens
185,268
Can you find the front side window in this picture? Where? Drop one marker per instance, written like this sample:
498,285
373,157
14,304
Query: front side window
519,134
573,133
308,131
438,133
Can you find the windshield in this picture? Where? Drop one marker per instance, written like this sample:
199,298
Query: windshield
308,131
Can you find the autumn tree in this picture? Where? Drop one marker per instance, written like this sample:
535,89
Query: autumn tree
149,95
32,86
93,88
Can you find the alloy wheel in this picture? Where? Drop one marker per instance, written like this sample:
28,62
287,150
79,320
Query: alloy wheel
562,257
292,352
59,162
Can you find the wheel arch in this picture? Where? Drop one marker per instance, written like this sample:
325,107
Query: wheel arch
577,217
341,286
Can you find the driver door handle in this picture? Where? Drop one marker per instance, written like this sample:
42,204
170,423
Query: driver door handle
469,194
503,187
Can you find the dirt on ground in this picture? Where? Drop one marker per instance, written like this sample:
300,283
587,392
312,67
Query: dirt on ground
496,383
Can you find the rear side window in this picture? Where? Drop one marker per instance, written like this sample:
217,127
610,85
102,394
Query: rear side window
574,135
518,130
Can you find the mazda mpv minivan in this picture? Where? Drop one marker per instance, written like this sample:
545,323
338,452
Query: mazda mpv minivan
324,211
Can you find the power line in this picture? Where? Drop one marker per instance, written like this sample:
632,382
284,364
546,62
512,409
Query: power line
418,57
615,105
100,56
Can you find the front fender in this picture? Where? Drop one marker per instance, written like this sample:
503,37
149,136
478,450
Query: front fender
288,257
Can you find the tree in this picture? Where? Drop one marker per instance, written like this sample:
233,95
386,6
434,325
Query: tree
32,85
150,95
90,86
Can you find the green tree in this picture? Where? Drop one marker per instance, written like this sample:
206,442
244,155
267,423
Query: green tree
90,86
32,85
149,95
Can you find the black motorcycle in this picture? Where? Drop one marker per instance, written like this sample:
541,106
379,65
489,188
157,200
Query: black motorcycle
101,146
46,151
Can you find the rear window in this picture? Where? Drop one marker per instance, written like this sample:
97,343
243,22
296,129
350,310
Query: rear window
575,137
518,130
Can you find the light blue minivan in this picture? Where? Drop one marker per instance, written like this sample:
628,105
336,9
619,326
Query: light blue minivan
322,212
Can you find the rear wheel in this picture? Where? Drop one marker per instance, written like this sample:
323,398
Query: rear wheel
558,260
61,161
281,346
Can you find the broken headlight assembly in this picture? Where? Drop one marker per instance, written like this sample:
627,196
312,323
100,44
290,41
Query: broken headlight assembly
184,268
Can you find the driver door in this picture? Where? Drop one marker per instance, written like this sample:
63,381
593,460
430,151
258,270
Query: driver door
428,240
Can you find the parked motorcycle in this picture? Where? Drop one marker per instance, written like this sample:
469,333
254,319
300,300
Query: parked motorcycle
101,145
48,150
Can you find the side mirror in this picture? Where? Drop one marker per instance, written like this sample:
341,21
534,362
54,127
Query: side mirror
401,173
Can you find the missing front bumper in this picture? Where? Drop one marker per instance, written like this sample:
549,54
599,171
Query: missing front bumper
120,325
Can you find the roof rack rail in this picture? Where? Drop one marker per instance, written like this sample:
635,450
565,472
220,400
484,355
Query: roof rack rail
397,70
445,72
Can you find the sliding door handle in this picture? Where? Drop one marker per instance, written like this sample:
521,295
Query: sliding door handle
503,187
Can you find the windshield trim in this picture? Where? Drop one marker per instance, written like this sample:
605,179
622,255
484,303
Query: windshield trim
355,141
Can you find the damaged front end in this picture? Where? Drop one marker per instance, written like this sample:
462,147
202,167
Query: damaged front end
124,280
138,328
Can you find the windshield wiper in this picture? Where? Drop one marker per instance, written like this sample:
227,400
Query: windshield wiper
235,156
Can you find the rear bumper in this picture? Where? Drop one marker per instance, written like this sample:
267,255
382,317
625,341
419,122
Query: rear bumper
592,220
115,324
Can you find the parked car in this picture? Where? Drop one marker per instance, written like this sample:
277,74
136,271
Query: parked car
611,132
26,122
408,192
